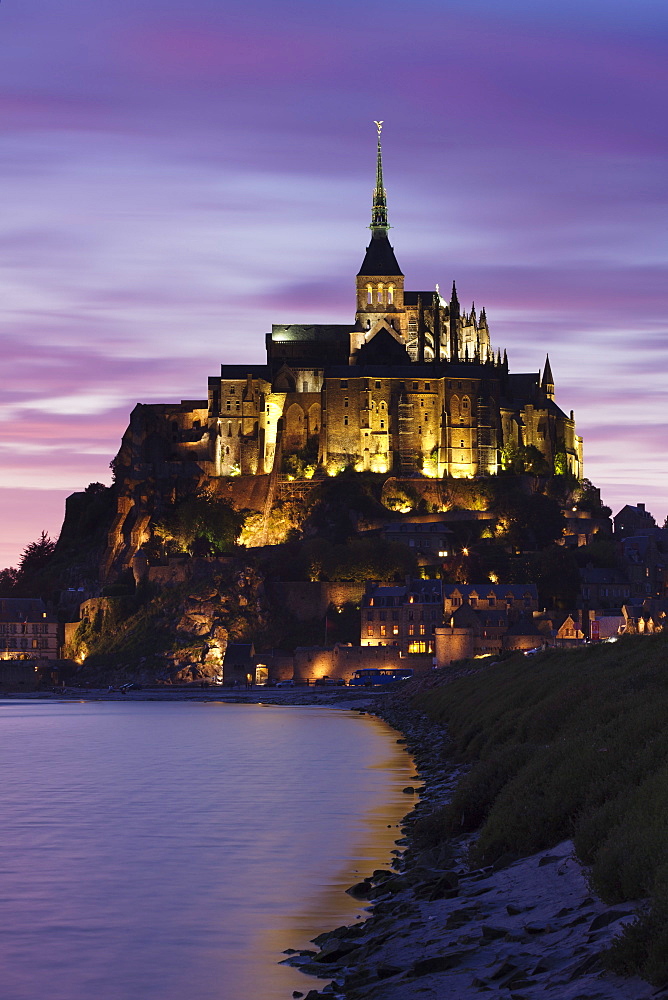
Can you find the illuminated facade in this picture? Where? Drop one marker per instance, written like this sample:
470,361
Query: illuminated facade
27,632
412,385
405,616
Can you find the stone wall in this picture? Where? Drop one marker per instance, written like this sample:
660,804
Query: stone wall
17,675
307,600
453,644
340,662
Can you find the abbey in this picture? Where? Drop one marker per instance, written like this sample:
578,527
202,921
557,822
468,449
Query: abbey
411,386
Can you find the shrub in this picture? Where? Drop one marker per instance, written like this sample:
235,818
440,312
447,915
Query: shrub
573,744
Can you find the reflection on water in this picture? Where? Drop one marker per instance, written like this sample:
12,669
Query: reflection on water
173,851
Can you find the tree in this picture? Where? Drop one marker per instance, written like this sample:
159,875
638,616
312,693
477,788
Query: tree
202,524
36,555
520,458
586,496
533,520
8,581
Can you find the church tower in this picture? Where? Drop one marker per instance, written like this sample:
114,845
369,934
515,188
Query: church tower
380,282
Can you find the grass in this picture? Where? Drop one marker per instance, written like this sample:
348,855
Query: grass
572,743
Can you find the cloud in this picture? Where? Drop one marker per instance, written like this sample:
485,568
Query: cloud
175,181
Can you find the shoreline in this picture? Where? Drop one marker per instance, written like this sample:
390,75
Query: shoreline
436,928
337,697
530,927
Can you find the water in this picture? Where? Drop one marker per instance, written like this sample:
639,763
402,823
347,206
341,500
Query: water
172,851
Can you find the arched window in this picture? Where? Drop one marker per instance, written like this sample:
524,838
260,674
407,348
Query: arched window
369,294
454,407
380,293
390,295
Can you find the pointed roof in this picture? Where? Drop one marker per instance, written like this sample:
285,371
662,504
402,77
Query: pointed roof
547,373
379,260
383,349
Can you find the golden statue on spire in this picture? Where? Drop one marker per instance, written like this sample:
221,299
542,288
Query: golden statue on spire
379,126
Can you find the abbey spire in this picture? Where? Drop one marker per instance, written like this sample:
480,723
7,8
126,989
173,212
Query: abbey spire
379,260
379,221
380,282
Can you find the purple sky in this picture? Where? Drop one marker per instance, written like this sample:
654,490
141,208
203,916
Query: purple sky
177,176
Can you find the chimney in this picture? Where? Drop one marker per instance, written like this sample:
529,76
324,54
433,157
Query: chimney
641,507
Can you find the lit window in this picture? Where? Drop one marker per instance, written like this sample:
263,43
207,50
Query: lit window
369,295
390,295
369,630
380,294
383,630
395,630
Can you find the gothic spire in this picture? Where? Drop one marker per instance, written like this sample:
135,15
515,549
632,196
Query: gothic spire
547,383
379,224
454,325
379,260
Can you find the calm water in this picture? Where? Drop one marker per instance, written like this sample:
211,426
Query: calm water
172,851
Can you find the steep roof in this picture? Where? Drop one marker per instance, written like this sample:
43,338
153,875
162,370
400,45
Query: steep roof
22,609
383,349
523,626
379,259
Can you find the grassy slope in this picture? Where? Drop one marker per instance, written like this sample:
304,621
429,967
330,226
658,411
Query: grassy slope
573,743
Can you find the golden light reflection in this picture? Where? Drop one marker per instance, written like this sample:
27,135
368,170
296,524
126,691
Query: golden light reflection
371,849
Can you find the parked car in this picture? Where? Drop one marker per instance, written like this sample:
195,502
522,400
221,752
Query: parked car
287,683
